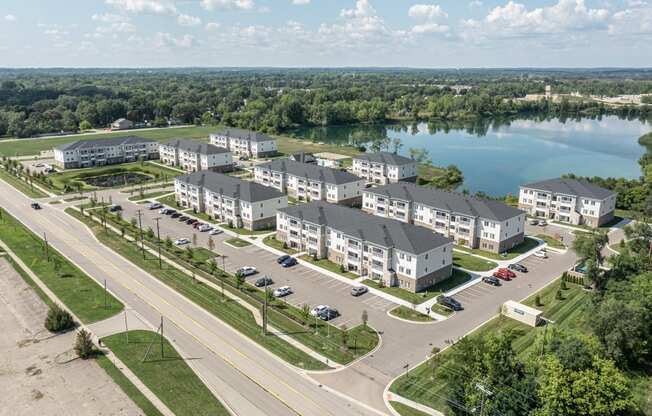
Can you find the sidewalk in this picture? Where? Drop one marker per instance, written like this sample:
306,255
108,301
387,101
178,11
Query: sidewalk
393,397
119,364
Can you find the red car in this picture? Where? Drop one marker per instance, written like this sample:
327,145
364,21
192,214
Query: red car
502,276
507,273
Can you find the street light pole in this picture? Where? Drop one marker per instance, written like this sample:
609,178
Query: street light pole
140,226
158,237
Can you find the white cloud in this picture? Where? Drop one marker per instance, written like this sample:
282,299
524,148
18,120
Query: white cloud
637,19
55,32
300,2
426,12
430,28
166,40
10,18
187,20
475,3
212,26
109,18
119,27
144,6
227,4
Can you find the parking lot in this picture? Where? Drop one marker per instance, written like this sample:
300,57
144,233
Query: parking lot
309,286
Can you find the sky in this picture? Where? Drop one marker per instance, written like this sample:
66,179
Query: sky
326,33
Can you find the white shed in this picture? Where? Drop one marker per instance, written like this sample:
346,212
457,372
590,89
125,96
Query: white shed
521,313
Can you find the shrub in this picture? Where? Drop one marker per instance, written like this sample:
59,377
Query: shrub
537,300
559,295
58,319
563,285
84,345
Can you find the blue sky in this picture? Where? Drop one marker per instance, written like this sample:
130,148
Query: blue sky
326,33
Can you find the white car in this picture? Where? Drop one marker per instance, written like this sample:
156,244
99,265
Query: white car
247,270
215,231
155,205
282,291
205,227
543,223
181,241
540,253
318,309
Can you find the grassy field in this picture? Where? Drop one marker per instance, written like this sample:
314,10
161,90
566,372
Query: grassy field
169,201
459,277
75,288
552,242
151,195
404,312
21,185
571,313
525,246
127,386
466,261
236,242
244,231
167,376
330,266
405,410
271,241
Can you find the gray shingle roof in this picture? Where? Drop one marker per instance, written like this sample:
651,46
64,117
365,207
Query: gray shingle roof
385,157
310,171
196,147
303,157
230,186
253,136
381,231
448,201
112,141
568,186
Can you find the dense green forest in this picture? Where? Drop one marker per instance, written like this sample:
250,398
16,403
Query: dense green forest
43,101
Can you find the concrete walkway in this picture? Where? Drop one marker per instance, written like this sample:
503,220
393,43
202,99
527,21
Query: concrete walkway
418,406
119,364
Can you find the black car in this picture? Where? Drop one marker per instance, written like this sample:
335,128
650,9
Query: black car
264,281
183,218
289,262
328,314
35,205
518,267
176,215
191,221
491,280
359,291
169,211
450,303
115,208
282,259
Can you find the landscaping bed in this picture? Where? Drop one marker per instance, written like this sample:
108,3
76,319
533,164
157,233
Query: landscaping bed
551,241
469,262
330,266
408,314
236,242
271,241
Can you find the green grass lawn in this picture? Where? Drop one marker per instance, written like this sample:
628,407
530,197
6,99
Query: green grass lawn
466,261
236,242
330,266
169,201
150,195
404,312
127,386
571,313
551,241
457,278
525,246
76,289
244,231
21,185
271,241
167,376
405,410
229,311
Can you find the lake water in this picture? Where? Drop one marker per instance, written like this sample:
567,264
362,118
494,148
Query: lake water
496,157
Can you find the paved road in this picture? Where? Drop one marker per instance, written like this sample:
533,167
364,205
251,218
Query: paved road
248,379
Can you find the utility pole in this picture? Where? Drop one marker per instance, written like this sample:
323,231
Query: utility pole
158,237
126,326
140,227
105,294
265,308
485,392
47,248
161,336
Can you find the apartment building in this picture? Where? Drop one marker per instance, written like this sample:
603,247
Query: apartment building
243,204
568,200
89,153
384,167
193,156
469,221
245,143
395,252
309,182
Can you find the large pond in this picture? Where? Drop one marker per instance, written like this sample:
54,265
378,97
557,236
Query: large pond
497,156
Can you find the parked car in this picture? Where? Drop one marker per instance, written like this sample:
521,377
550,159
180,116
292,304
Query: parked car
501,276
289,262
197,224
35,205
115,208
247,270
181,241
183,218
359,291
450,303
491,280
534,222
506,272
170,211
215,231
541,254
264,281
155,205
543,223
204,227
175,215
279,292
318,309
328,314
282,258
191,221
518,267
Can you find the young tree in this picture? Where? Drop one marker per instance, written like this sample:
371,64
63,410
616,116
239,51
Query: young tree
58,319
211,243
194,239
239,279
305,312
365,318
345,336
83,344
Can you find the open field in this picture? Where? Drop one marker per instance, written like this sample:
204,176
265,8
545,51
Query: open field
77,290
468,262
